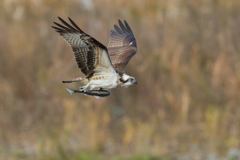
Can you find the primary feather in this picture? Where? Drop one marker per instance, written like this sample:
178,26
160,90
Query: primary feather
93,59
90,54
122,46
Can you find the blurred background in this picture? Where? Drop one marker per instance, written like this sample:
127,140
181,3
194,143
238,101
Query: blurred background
184,107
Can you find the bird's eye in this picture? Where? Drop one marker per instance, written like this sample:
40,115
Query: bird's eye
129,79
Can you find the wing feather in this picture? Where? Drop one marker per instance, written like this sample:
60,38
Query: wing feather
122,46
66,24
122,26
74,24
128,28
118,29
91,56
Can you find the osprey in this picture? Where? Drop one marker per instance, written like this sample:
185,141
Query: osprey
102,71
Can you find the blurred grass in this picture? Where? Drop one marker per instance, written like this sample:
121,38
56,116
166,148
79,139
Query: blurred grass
186,102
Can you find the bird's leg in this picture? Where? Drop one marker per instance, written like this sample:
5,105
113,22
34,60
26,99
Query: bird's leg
100,89
81,88
84,88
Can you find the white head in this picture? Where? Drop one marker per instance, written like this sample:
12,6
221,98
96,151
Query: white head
127,80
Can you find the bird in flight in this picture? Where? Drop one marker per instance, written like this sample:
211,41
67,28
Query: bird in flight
104,68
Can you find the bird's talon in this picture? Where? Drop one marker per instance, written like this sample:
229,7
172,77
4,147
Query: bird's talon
81,89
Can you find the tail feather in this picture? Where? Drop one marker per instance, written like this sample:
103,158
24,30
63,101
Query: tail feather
67,81
74,80
70,91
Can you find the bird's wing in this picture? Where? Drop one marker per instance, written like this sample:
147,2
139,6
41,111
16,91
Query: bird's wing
91,55
122,46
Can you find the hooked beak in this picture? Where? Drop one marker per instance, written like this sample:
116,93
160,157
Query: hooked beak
135,82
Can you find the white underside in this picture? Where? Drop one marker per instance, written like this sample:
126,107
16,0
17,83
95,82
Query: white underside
108,82
109,77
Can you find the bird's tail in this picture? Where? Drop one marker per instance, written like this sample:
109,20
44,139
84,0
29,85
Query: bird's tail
74,80
70,91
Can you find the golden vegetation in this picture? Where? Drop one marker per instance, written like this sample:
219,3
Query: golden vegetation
187,68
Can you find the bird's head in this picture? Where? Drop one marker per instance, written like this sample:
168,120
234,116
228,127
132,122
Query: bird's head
128,80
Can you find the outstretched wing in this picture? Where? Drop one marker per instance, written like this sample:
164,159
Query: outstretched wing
122,46
91,55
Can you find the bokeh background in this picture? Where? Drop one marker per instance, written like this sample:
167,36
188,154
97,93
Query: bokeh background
186,105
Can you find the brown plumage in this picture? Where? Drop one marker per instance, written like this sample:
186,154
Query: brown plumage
122,46
91,56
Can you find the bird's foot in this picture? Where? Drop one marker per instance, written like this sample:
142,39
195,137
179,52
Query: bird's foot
82,89
86,91
100,89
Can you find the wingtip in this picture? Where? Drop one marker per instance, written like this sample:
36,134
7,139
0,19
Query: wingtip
128,27
61,19
55,23
70,20
56,29
119,21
